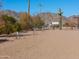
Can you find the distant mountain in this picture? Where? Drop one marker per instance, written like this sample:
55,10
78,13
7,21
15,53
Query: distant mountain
10,13
53,17
73,18
50,17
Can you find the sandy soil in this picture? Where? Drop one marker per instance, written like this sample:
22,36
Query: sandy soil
42,45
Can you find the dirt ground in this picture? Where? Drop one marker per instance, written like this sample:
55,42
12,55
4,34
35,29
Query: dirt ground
49,44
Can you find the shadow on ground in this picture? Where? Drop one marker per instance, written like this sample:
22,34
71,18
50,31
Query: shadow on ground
3,40
14,35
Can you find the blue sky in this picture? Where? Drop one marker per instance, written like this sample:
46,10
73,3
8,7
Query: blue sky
69,7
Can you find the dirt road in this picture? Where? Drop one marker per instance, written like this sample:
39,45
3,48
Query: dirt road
43,45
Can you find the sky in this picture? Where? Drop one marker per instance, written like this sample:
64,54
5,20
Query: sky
69,7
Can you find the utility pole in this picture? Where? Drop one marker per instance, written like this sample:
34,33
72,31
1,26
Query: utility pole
78,22
28,8
29,18
77,17
60,17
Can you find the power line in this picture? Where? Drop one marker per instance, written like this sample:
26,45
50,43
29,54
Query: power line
40,6
1,4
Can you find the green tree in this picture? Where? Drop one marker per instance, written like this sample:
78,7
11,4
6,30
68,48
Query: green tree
10,24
